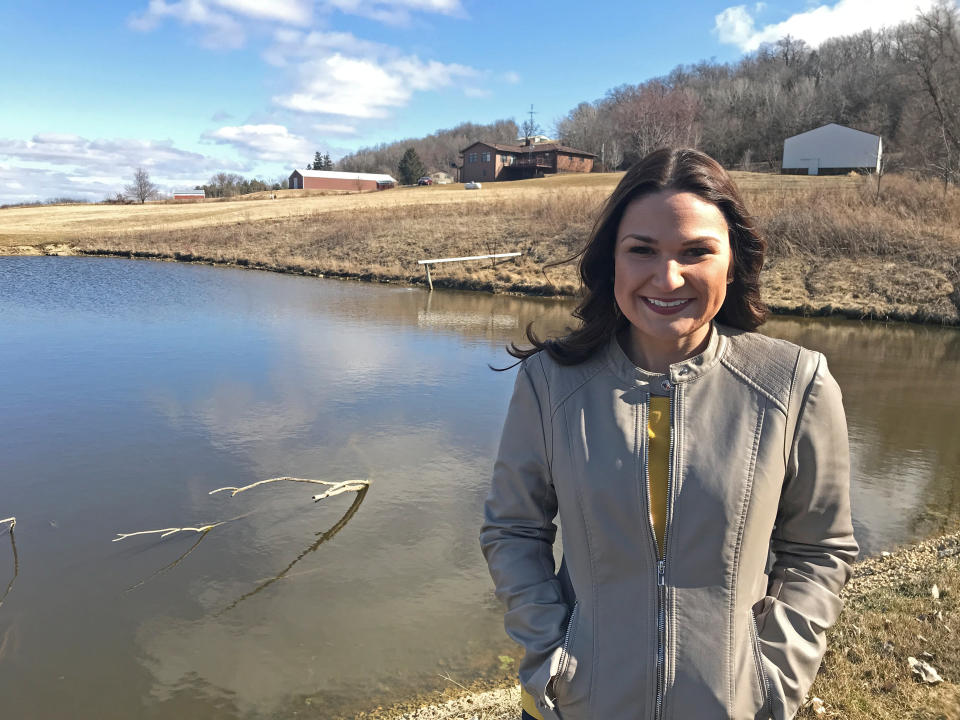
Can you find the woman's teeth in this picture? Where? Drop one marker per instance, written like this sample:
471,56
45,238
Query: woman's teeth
666,303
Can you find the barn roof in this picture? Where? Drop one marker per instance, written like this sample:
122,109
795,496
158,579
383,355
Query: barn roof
835,125
336,175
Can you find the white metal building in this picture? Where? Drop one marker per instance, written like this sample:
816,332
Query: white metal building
831,150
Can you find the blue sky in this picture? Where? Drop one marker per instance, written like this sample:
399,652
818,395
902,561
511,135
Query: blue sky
187,88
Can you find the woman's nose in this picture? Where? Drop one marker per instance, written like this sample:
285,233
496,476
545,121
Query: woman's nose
669,277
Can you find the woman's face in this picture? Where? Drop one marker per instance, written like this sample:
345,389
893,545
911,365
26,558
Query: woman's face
672,263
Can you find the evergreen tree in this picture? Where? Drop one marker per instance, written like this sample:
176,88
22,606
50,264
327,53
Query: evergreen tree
327,162
410,168
317,161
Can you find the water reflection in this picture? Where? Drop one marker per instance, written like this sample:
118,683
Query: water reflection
323,537
11,524
181,376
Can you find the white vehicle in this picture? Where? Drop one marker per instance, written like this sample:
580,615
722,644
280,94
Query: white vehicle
472,186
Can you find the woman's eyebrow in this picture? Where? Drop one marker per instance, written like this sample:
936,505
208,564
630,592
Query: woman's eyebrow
653,241
641,238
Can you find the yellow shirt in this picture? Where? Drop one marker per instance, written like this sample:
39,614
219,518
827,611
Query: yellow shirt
658,458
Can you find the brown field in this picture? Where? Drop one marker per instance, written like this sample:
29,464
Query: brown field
833,249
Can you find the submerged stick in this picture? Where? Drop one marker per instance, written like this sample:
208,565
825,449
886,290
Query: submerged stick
16,560
12,521
335,487
169,531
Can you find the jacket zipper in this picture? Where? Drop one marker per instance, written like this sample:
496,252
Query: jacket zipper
758,659
565,652
662,558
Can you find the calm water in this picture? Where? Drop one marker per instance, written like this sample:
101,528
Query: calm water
129,390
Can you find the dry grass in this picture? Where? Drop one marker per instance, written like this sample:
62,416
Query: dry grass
891,615
833,249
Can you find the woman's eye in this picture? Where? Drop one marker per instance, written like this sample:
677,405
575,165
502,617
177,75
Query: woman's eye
698,251
640,250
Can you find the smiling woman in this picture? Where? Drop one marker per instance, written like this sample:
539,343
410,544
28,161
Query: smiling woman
679,450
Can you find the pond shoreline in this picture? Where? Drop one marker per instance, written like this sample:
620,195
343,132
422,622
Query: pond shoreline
780,300
866,672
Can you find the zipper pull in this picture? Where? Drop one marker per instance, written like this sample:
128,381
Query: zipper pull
661,570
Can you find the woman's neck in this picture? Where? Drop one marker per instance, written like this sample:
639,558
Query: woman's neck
658,357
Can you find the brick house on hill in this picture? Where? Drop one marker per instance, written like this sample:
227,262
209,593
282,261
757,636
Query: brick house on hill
492,161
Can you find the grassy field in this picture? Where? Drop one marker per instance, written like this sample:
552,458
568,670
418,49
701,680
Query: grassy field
834,249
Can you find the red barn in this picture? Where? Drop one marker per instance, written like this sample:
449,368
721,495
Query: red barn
343,181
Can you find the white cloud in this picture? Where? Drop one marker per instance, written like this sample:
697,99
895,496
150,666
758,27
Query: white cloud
57,164
394,12
511,77
475,92
366,87
221,19
294,12
335,129
737,26
223,31
267,143
338,74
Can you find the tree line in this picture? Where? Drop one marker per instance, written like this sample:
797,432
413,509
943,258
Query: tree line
229,184
902,83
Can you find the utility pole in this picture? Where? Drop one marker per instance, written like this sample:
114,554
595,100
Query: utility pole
531,126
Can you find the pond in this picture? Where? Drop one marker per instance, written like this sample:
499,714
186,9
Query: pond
130,390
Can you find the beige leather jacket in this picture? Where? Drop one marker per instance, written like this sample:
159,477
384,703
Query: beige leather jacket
759,469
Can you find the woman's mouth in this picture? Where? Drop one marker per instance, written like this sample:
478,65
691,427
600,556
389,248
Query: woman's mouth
666,307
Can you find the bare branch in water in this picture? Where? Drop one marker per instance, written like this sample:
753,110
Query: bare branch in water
16,560
170,531
170,566
342,487
334,485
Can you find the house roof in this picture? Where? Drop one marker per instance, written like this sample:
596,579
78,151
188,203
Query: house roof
542,147
335,175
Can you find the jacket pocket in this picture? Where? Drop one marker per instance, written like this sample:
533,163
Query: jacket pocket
570,687
762,680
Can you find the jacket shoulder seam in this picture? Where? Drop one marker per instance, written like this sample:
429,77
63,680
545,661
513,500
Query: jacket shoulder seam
807,391
751,383
566,396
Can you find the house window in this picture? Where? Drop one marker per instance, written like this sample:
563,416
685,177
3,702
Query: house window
472,157
486,157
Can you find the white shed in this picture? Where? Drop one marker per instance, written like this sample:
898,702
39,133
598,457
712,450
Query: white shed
831,150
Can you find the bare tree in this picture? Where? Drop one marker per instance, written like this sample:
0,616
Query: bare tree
930,47
141,189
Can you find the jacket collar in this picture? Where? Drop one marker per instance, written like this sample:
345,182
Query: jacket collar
681,372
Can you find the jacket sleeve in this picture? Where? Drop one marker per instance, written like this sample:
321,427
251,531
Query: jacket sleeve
813,545
518,533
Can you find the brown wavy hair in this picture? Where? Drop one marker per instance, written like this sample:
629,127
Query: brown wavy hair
676,169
